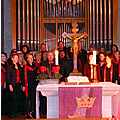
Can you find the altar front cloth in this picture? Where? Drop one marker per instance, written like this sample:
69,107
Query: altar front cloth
80,102
52,94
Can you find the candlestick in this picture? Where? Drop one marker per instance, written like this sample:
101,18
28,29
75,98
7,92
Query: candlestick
94,57
19,45
56,57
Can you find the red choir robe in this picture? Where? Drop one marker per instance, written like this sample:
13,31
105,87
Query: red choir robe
116,71
87,71
100,72
108,73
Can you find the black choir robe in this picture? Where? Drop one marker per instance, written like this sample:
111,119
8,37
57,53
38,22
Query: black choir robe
66,68
81,59
46,63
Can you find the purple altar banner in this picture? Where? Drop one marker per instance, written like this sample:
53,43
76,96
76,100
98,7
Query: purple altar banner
80,102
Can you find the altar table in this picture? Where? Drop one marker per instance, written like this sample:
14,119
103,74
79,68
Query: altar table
51,92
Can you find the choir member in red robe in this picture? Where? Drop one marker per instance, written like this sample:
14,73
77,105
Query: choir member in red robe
116,68
114,48
101,50
108,69
100,66
88,68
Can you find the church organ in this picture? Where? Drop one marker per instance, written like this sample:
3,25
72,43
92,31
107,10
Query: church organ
41,21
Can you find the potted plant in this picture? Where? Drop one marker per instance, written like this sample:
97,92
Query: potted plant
48,76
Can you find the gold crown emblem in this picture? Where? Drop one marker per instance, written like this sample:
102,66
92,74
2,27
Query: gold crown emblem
85,101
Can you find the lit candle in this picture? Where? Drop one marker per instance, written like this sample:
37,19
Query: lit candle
56,57
19,45
94,57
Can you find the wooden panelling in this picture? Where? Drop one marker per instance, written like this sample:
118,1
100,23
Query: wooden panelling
115,20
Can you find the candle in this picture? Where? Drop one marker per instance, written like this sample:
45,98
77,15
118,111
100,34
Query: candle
56,57
94,57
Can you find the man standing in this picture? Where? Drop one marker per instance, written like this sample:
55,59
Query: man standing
81,57
43,49
61,48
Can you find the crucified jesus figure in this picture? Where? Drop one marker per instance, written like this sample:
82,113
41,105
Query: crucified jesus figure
75,37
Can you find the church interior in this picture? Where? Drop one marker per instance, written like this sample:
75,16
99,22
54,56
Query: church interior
35,22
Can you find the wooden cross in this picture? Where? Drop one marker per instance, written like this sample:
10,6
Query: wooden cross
74,36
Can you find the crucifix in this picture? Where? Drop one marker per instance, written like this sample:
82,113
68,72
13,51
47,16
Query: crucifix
74,36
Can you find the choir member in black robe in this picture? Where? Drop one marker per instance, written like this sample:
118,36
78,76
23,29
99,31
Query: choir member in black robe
108,69
44,56
49,63
66,67
61,48
21,64
81,57
91,48
4,85
100,66
38,61
30,72
43,49
13,80
25,51
116,68
9,59
62,57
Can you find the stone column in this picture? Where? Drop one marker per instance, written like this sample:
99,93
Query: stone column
7,27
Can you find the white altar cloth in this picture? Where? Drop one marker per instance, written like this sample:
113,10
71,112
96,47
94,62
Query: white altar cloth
51,92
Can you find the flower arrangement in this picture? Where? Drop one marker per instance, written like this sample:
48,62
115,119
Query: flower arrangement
46,73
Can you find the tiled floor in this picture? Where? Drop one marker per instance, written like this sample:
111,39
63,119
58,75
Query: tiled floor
22,117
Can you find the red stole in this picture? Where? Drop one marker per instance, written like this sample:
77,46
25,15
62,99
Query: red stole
4,70
111,73
80,64
51,62
3,75
18,75
117,62
26,79
38,65
119,70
